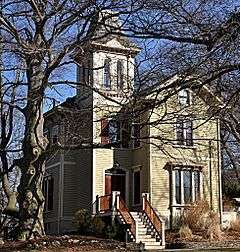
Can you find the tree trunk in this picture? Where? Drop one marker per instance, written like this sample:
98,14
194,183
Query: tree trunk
30,196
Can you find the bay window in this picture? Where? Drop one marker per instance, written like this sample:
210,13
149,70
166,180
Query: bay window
186,184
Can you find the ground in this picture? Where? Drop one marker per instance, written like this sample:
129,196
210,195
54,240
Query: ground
75,243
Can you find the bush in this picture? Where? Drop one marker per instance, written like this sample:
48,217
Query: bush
83,221
97,225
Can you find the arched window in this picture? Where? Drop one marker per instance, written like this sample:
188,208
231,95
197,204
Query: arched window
120,76
107,77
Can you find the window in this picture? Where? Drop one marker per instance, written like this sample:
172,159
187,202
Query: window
187,185
55,134
184,97
107,77
48,187
184,132
120,77
122,134
136,188
109,131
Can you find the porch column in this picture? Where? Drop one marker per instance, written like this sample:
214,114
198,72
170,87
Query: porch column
115,205
144,196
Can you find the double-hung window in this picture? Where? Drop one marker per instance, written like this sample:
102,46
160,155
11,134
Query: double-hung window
184,128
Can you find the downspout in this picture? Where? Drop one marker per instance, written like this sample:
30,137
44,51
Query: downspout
210,173
60,195
219,171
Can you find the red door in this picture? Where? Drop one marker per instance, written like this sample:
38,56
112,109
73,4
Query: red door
108,184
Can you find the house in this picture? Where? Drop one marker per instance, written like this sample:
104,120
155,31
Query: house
160,158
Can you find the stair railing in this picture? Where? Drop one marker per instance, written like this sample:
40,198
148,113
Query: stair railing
153,217
104,203
127,217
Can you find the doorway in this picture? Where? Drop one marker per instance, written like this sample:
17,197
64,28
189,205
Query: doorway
115,180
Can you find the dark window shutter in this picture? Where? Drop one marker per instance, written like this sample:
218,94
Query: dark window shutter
104,131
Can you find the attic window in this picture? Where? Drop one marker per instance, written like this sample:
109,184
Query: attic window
184,97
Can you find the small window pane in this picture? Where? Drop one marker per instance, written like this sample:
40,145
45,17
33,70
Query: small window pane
107,78
178,186
180,132
113,131
120,74
187,186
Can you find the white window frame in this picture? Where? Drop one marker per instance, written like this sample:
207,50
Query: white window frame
173,184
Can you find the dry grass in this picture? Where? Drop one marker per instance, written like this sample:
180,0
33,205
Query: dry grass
195,216
199,217
235,225
185,232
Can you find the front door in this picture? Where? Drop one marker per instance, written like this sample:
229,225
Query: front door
115,181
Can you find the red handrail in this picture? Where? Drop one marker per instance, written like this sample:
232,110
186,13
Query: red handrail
105,203
126,215
153,217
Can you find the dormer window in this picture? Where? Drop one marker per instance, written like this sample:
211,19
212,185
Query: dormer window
107,77
184,97
120,76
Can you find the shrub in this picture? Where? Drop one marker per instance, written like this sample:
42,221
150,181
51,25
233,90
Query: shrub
97,225
83,221
185,232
